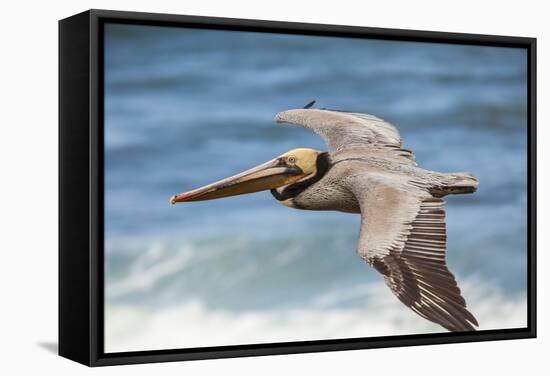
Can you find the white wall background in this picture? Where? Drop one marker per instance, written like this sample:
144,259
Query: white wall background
28,189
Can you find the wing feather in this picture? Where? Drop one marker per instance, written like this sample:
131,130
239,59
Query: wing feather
344,131
403,237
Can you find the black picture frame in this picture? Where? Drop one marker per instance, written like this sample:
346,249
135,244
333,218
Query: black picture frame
81,187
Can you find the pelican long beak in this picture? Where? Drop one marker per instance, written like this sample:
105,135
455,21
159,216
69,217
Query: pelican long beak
269,175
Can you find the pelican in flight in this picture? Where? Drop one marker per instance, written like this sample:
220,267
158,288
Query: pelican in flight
366,171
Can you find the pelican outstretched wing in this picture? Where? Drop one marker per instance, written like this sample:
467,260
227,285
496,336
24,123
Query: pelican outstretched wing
403,237
349,130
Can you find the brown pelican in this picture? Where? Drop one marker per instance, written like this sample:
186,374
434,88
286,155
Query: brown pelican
366,171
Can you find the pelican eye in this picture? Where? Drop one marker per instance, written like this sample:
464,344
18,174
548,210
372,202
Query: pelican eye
291,159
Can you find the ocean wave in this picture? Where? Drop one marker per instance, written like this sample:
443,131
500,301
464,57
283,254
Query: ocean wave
192,324
249,255
149,269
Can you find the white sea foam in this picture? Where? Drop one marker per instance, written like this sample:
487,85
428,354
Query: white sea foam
132,328
148,269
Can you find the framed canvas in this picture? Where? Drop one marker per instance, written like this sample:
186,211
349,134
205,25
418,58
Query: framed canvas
233,187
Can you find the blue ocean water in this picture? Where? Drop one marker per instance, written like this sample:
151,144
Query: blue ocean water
185,107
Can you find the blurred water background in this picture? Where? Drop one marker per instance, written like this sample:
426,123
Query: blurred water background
185,107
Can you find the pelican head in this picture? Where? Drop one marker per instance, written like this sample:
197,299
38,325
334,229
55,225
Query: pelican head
284,170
